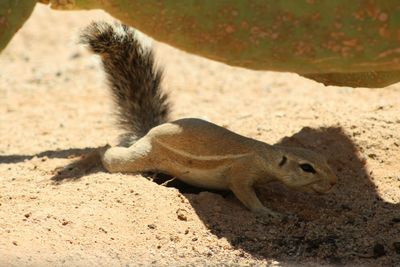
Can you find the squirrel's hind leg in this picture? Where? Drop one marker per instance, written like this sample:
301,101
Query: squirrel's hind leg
136,158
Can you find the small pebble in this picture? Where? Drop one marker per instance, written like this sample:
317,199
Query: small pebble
396,246
379,250
181,214
152,226
396,220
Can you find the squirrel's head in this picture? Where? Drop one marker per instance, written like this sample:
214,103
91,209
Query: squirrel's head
304,170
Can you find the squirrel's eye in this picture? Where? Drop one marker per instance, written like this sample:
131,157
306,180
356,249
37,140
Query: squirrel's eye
307,168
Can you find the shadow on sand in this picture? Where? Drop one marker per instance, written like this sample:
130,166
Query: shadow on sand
51,154
351,225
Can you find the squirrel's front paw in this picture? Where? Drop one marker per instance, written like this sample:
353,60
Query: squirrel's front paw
268,214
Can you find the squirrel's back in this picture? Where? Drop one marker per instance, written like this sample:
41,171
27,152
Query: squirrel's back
134,80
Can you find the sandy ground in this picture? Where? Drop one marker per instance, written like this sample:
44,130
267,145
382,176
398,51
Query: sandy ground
54,106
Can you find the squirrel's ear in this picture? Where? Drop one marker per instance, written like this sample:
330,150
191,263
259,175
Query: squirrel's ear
283,161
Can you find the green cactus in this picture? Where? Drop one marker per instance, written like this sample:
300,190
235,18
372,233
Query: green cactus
374,79
12,15
354,43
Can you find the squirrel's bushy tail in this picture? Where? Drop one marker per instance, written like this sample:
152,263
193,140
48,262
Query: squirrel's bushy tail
134,80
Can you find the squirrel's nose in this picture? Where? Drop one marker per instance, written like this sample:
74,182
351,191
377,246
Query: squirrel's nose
326,185
333,181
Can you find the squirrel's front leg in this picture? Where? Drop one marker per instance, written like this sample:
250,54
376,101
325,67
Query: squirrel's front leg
246,194
243,189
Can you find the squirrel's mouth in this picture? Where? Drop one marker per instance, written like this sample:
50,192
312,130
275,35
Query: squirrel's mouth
322,188
319,187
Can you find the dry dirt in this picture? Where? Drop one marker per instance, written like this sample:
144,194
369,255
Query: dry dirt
54,106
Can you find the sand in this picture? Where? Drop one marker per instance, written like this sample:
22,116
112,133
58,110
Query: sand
55,106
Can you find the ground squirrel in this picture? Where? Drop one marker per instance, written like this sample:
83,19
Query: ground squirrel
194,151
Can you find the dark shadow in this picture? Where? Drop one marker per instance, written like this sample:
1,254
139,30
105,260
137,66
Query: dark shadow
64,153
352,225
62,173
90,162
